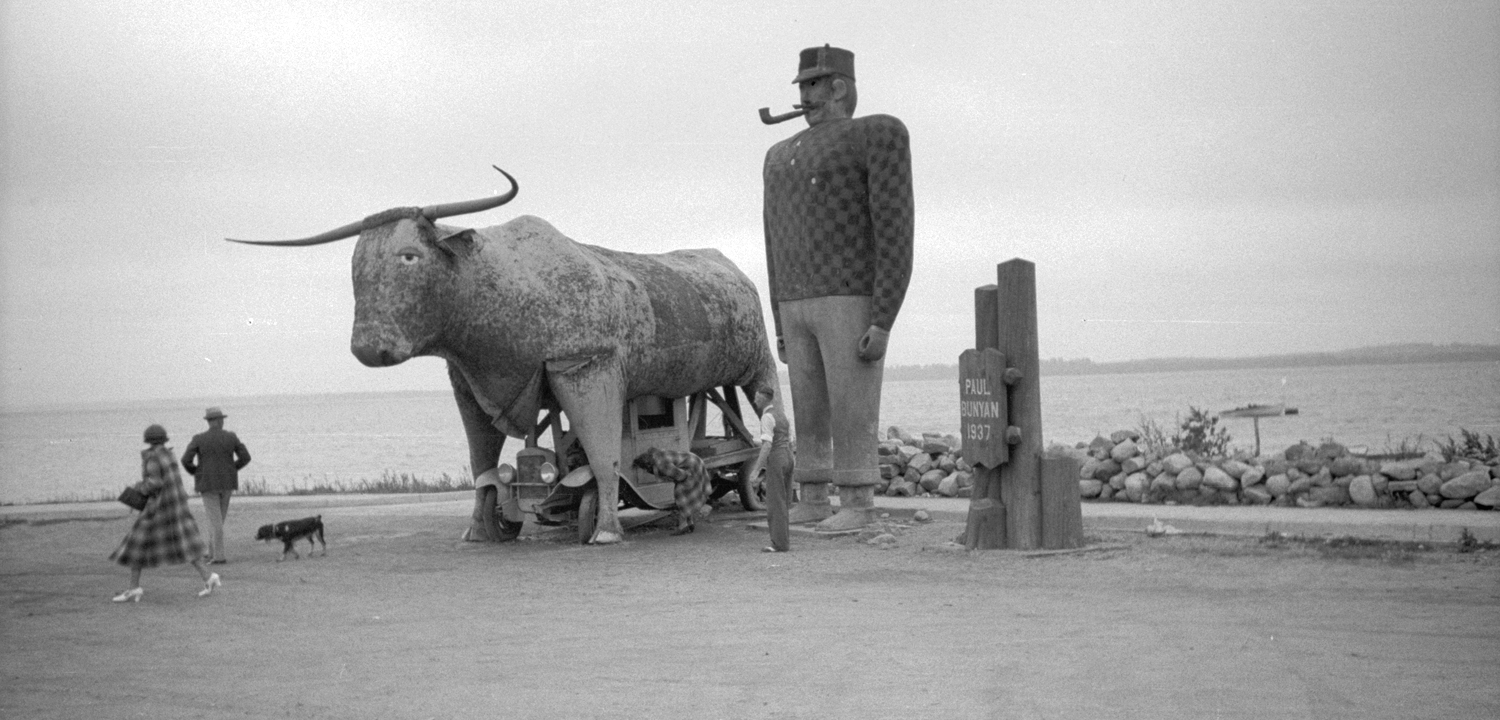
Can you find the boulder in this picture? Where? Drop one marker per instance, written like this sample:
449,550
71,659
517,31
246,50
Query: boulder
931,479
1176,463
1362,491
908,451
1251,477
1106,493
1278,485
1136,485
1257,495
1162,483
1330,450
948,487
1089,488
1219,480
1400,485
1489,498
1099,447
1124,451
1399,469
1322,478
1189,479
1300,485
948,463
1380,482
1430,483
965,479
1297,452
906,438
888,471
1453,504
921,462
901,488
1134,464
935,446
1345,465
1418,500
1236,468
1311,465
1276,466
1120,436
1106,469
1466,485
1089,466
1329,495
1448,471
1117,481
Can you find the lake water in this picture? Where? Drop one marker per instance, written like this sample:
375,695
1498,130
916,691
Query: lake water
83,453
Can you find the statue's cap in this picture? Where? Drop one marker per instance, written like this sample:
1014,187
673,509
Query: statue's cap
819,61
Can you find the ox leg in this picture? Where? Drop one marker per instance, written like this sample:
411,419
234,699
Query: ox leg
485,444
592,394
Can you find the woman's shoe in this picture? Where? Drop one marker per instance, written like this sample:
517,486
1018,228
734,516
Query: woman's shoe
683,530
131,595
209,585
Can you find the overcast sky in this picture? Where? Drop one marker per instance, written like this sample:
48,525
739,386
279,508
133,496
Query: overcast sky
1191,179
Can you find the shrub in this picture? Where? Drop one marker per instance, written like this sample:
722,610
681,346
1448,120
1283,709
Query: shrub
1201,434
1474,447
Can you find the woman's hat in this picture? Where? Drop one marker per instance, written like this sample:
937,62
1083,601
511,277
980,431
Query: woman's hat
155,434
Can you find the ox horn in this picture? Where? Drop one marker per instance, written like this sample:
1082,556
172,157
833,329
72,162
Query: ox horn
431,212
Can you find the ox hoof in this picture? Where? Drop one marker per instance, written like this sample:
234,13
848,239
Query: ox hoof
846,519
809,512
606,538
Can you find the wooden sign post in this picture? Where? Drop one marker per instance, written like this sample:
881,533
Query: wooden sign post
1019,501
983,416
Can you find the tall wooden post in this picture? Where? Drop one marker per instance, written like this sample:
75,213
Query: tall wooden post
1020,479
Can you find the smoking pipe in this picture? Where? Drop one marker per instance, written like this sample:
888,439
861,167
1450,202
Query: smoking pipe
769,119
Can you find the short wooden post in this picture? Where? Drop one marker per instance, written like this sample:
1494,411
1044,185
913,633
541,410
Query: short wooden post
1016,336
1062,509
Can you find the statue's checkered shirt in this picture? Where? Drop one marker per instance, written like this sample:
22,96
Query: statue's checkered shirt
839,215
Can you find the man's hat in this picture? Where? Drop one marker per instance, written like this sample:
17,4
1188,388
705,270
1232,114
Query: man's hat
819,61
214,413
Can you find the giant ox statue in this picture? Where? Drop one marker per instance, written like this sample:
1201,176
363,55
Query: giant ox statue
528,319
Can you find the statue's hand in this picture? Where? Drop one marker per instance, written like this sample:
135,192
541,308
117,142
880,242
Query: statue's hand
781,349
872,345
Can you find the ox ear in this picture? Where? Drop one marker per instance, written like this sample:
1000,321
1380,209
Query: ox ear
459,244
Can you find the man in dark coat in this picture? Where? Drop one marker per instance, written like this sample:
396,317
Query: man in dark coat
839,233
214,458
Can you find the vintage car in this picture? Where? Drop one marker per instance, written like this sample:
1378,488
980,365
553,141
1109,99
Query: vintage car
555,486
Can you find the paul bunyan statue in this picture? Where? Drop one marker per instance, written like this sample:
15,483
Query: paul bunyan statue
838,223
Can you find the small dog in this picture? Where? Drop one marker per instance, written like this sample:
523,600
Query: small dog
289,532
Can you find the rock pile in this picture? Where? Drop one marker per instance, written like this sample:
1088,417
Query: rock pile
911,466
1120,469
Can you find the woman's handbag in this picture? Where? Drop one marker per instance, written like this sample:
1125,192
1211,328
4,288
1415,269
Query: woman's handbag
133,497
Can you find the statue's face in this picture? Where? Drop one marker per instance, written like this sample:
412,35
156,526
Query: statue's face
821,92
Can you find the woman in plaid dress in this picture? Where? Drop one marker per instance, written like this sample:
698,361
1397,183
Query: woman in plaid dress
165,532
689,478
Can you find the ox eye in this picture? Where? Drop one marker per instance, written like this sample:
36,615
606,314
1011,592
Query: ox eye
409,257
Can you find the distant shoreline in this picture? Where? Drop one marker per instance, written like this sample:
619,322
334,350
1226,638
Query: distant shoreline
1383,355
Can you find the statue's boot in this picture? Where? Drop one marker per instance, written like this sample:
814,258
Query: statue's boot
812,503
856,509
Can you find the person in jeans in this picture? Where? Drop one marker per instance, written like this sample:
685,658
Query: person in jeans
214,458
776,458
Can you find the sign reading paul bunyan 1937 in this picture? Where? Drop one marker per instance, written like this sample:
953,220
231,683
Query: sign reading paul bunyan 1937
982,409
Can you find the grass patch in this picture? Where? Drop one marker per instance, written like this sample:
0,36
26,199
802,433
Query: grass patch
388,483
1344,547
